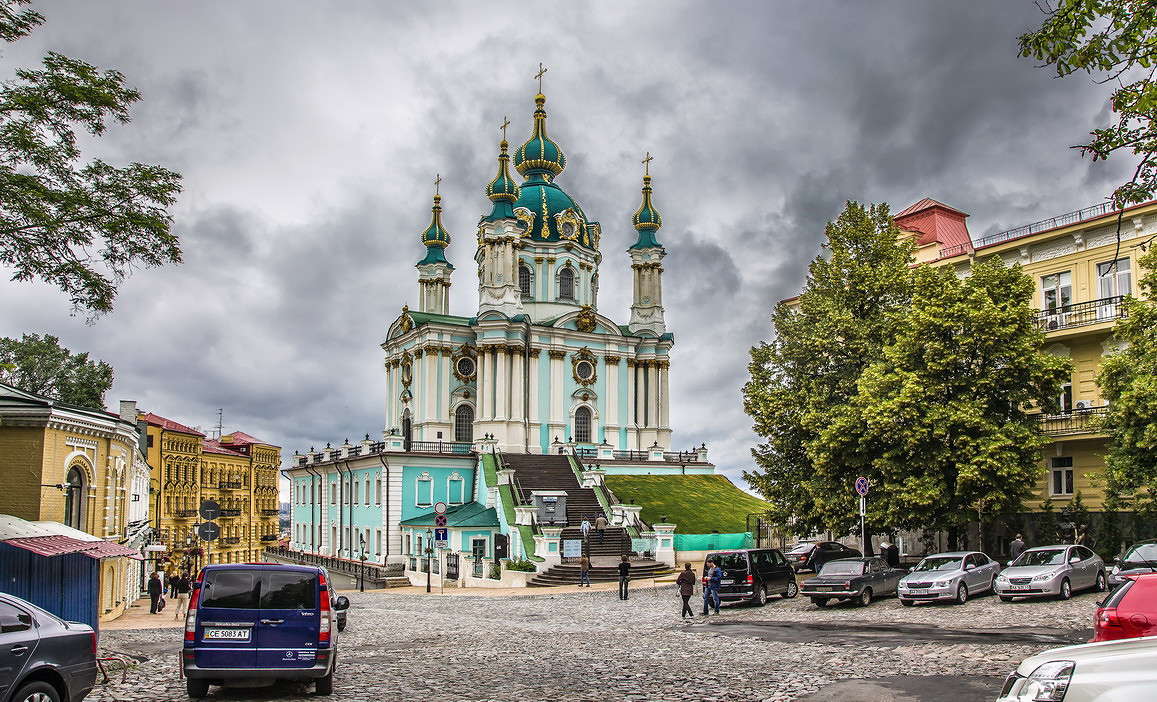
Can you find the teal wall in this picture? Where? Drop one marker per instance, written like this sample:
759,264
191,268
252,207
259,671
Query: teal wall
439,476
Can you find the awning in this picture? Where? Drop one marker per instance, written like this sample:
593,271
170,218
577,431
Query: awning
107,549
50,545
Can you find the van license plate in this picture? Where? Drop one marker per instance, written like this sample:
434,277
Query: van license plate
226,634
727,581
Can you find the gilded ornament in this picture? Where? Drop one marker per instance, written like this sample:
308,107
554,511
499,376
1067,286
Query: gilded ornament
525,218
586,321
584,368
557,353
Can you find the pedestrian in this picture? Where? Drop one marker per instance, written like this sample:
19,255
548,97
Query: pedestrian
624,577
686,583
171,584
586,527
890,554
1016,547
585,571
182,588
711,587
155,591
600,526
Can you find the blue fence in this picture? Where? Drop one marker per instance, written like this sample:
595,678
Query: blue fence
68,585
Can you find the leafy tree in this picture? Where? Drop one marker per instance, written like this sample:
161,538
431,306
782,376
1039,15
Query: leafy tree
80,227
41,365
1128,379
1114,41
943,408
1046,525
840,323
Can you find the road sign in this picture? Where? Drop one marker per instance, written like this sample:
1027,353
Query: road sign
439,508
441,536
862,486
210,510
439,520
208,531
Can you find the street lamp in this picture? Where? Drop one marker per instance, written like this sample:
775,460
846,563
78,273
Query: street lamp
362,573
429,555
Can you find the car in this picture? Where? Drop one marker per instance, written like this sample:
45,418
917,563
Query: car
1129,611
753,574
1138,558
859,579
1109,671
811,555
42,657
1051,571
955,576
255,623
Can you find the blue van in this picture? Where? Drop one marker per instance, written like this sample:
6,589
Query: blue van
254,623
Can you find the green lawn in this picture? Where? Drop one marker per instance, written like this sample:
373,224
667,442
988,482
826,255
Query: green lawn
698,504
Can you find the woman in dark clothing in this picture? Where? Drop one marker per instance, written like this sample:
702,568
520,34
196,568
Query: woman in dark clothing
624,577
155,590
686,583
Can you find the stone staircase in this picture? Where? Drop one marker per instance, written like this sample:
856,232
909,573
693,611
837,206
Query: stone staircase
547,472
603,570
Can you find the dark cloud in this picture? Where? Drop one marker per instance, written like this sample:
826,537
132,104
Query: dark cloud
309,135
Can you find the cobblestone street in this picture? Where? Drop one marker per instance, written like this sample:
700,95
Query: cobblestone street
588,645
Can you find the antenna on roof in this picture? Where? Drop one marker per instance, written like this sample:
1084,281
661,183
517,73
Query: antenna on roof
220,415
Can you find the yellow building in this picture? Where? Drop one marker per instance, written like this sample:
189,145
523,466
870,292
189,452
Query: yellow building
1080,273
237,471
74,465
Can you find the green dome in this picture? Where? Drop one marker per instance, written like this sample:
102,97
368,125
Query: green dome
539,155
502,191
435,237
647,219
549,214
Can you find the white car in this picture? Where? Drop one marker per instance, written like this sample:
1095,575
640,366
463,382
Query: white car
1109,671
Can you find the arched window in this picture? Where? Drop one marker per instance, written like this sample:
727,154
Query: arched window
525,278
582,425
74,498
566,284
464,423
407,429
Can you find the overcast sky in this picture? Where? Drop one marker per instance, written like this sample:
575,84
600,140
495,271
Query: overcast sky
309,134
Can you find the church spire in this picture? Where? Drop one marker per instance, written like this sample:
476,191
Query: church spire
502,190
539,158
647,219
435,237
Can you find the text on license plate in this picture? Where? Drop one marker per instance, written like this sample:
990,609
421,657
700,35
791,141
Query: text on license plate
726,581
230,634
1018,587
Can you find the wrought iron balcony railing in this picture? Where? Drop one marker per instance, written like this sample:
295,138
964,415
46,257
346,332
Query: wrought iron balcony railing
269,537
230,513
231,540
1081,314
228,485
185,513
269,512
1082,420
456,447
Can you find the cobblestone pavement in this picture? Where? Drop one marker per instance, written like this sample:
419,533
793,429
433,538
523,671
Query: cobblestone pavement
591,646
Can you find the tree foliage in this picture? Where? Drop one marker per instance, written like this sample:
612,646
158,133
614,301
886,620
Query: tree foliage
1114,41
82,227
39,364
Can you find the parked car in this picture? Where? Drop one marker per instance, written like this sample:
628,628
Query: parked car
339,613
1129,612
1110,671
955,576
859,579
753,574
259,622
812,555
1138,558
1055,571
42,657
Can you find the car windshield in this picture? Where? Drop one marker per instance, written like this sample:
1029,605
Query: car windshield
1140,556
1043,557
843,568
938,563
801,548
729,561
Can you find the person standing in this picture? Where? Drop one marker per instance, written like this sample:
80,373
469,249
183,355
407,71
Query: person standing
711,587
600,526
182,588
624,578
170,584
686,583
155,591
1016,547
586,527
585,571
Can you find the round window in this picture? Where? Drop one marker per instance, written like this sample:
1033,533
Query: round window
466,366
568,229
585,370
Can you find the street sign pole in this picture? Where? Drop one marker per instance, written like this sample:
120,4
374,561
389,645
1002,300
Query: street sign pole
862,485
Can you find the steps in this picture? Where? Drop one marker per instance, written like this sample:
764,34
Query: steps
568,573
547,472
616,541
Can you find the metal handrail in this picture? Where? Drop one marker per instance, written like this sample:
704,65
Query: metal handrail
1066,219
1080,314
1082,420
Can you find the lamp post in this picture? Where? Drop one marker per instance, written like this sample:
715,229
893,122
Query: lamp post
429,555
362,572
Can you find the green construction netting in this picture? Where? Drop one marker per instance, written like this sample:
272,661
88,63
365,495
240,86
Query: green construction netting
713,542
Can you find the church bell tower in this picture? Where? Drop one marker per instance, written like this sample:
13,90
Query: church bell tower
434,270
647,264
498,239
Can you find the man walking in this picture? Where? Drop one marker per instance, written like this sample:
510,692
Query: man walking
182,588
711,587
686,583
586,527
1016,547
155,591
624,577
600,526
585,571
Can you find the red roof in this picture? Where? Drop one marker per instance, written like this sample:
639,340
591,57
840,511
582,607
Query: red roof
107,549
50,545
169,425
240,438
214,446
936,222
925,204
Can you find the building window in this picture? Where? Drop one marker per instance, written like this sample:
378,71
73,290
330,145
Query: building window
357,489
566,284
1057,291
366,494
582,425
1067,398
525,280
424,491
74,498
378,542
455,488
464,423
1062,475
1114,278
333,493
378,492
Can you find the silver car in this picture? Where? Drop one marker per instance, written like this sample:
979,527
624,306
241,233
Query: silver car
1055,571
954,576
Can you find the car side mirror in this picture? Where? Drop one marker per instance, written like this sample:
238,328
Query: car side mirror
968,566
912,569
1075,559
1009,564
342,603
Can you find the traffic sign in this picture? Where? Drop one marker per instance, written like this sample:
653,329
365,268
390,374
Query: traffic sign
439,520
210,510
208,531
441,534
439,508
862,486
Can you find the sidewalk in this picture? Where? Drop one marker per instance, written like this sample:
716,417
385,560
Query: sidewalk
637,583
137,617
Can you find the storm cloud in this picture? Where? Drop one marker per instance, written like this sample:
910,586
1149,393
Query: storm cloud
309,135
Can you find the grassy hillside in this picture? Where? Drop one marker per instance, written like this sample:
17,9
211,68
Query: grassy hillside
698,504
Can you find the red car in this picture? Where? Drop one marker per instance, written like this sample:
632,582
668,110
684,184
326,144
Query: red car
1130,611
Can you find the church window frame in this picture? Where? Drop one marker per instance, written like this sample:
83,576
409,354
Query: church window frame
526,280
464,423
584,424
567,283
424,484
76,495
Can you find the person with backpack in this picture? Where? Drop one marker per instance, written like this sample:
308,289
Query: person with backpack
686,583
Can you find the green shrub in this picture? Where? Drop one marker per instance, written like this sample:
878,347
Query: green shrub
522,566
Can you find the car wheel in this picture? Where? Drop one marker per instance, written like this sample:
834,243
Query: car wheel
1005,598
1066,589
1101,586
992,585
37,692
760,597
865,597
907,603
961,593
820,601
196,689
792,589
324,686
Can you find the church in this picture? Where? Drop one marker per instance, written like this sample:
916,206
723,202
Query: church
504,430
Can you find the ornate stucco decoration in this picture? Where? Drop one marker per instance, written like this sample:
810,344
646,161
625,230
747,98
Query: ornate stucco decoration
585,322
406,323
583,367
525,219
571,226
407,364
464,363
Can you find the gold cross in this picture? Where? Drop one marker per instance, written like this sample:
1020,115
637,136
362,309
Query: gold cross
437,183
538,75
647,164
505,124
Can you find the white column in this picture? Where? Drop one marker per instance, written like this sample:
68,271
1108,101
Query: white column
630,408
611,406
447,363
430,362
653,370
502,385
516,386
483,381
664,396
534,418
389,397
556,409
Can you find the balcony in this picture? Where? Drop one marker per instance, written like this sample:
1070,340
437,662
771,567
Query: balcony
231,540
1085,420
230,513
1081,314
455,447
228,485
270,512
269,537
185,513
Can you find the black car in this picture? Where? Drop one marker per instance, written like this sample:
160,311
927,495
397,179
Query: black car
859,579
42,657
752,575
1139,558
812,555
